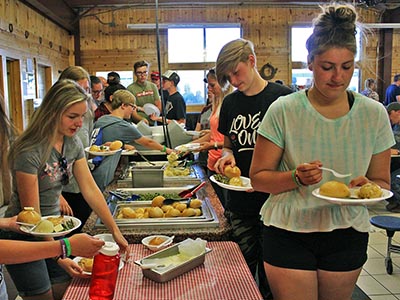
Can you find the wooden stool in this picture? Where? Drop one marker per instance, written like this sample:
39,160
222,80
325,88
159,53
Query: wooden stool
391,225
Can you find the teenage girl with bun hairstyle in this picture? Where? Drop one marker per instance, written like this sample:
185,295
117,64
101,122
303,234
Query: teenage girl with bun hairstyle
315,249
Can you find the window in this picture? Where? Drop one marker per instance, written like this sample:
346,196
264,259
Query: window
192,50
126,76
198,44
301,76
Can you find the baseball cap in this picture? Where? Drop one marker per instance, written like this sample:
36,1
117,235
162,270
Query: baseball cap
155,75
113,78
172,75
393,106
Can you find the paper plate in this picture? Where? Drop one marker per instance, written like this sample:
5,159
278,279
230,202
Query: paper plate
28,229
129,152
150,109
101,153
245,180
188,147
193,133
353,199
77,259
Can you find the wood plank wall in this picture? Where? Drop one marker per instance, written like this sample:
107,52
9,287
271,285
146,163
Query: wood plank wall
25,37
106,48
103,47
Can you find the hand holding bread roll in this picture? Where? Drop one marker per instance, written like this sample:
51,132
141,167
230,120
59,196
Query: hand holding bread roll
334,189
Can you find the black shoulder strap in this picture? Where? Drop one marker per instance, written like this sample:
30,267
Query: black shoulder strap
350,98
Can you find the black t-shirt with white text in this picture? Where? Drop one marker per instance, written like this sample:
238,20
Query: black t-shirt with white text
239,120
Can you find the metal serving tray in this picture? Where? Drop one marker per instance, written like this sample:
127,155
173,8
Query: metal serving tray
208,218
127,181
168,273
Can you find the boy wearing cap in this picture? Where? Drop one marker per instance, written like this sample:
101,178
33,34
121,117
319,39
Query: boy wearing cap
144,92
393,110
155,78
175,106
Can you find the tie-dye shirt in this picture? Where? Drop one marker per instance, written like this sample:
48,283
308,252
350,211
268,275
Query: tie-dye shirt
345,144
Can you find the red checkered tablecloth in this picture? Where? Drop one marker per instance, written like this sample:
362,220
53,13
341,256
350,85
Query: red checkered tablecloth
223,276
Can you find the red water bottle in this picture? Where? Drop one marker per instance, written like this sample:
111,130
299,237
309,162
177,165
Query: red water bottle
105,272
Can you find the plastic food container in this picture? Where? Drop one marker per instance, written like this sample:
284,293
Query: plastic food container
163,274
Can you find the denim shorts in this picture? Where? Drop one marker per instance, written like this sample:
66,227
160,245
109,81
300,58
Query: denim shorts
34,278
340,250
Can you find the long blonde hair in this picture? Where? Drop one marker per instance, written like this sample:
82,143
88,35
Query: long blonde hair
77,73
7,134
42,130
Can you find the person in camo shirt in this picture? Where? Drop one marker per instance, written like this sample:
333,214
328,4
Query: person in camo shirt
144,91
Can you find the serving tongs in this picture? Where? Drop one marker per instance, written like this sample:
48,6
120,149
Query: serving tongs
124,196
186,195
145,158
190,192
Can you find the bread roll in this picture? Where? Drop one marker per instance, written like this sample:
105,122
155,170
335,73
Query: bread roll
29,215
156,241
172,213
231,172
188,212
158,201
237,181
115,145
195,203
334,189
86,264
156,212
370,190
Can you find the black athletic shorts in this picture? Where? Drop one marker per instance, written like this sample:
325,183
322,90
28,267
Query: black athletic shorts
339,250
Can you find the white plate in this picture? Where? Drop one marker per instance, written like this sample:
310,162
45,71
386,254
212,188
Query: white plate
77,259
193,133
102,153
246,184
150,109
353,200
188,147
129,152
77,223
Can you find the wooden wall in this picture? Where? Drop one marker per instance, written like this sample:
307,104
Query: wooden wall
28,40
106,48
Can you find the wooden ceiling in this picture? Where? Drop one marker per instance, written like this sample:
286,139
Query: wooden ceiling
67,13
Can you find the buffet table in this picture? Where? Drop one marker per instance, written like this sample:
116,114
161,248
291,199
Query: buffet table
223,276
136,234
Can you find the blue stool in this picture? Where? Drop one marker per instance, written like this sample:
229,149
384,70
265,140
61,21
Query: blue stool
391,225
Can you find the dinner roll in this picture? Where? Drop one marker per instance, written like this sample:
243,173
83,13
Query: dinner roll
334,189
370,190
158,201
86,264
29,215
156,212
115,145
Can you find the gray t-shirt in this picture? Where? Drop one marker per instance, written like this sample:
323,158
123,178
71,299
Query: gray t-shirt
118,130
49,176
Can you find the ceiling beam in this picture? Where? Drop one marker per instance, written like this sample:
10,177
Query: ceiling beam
57,11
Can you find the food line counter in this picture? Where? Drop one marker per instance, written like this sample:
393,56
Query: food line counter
135,234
